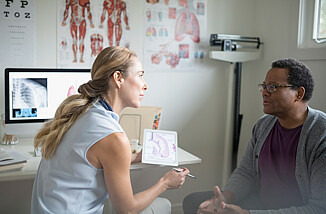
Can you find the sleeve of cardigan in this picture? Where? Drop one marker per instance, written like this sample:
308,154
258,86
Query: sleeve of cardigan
244,178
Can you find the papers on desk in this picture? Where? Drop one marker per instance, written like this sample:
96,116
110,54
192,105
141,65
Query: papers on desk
11,160
4,155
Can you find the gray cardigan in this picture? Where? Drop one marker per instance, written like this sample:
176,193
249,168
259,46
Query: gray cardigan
310,171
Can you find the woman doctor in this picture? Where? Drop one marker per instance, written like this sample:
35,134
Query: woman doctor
87,155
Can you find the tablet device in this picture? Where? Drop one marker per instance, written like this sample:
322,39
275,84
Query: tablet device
160,147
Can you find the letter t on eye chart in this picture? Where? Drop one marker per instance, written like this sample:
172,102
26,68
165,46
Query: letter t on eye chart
160,147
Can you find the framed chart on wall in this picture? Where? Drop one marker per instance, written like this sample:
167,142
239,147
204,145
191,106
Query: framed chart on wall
174,34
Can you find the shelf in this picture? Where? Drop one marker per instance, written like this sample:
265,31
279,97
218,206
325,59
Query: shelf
234,56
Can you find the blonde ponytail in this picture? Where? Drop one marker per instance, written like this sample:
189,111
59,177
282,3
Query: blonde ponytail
49,137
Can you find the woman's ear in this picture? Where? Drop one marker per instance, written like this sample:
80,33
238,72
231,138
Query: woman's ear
118,78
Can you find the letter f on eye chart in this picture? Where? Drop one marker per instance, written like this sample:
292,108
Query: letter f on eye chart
160,147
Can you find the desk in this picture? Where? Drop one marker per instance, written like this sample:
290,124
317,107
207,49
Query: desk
29,170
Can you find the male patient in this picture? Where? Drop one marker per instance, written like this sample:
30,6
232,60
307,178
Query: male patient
283,169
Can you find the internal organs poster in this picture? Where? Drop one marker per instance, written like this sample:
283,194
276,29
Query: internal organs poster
174,32
85,27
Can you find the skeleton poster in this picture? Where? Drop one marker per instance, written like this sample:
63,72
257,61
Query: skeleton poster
85,27
174,32
17,24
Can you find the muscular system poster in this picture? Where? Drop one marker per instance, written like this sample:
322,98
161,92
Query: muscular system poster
174,32
85,27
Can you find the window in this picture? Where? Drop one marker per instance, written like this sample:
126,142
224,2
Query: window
307,30
319,34
309,27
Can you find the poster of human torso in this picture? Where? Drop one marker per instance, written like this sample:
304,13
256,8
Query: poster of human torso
174,32
85,27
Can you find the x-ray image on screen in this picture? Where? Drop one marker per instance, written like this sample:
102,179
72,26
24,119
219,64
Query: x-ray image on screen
32,96
29,93
24,112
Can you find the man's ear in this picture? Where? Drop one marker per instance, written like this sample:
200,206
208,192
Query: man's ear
300,93
118,78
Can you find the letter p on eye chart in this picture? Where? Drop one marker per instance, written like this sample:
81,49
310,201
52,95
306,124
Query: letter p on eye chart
160,147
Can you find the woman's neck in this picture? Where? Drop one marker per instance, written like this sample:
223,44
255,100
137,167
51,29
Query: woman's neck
114,102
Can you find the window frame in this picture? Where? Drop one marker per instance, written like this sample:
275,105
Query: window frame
302,45
316,22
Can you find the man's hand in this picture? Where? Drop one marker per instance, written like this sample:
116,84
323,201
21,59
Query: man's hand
232,209
217,205
224,208
212,205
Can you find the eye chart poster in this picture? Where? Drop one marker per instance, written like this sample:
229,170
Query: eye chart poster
174,32
17,24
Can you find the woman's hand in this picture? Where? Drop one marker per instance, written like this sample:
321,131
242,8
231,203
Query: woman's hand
173,179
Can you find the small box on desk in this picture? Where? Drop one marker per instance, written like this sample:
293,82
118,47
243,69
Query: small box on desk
135,120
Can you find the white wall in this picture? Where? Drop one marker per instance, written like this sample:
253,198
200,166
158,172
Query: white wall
196,102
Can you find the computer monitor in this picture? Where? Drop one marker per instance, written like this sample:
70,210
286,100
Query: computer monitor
32,96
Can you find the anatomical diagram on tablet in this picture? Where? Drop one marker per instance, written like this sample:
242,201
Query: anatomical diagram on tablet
160,147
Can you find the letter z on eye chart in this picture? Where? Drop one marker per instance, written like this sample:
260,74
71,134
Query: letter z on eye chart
160,147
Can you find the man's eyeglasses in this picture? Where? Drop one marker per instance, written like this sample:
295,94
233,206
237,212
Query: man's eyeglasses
271,88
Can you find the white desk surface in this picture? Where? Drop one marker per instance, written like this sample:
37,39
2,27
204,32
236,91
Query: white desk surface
29,170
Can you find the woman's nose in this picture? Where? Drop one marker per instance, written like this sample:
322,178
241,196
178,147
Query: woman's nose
145,87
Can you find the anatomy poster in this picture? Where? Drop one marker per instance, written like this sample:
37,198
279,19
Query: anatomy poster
85,27
174,32
17,24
